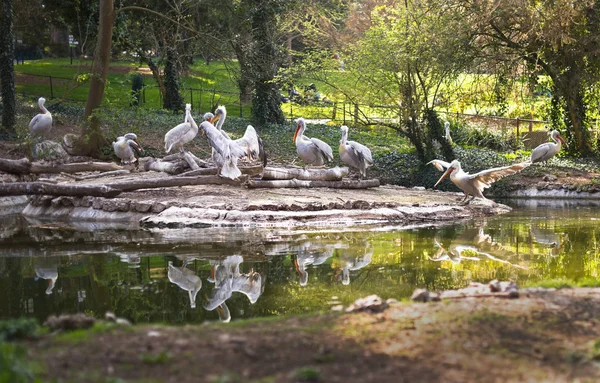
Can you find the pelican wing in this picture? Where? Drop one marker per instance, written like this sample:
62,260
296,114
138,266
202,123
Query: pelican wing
362,150
216,139
34,121
541,153
323,147
485,178
249,142
175,135
439,164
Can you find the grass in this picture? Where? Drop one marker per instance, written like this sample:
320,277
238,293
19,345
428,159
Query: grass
566,283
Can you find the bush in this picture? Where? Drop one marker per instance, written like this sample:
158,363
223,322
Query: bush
14,364
21,328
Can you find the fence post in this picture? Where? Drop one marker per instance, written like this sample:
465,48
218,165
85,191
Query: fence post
192,96
518,133
241,109
334,111
144,94
344,113
291,112
51,89
200,103
356,113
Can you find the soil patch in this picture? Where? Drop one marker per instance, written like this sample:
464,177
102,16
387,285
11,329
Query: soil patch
542,336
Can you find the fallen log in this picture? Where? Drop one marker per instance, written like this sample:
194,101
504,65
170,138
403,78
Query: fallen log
97,175
248,170
24,166
179,156
190,160
168,167
333,174
45,188
172,181
294,183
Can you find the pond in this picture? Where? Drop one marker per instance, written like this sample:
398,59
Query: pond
193,275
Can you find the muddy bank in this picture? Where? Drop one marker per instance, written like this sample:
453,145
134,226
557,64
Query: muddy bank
543,336
228,205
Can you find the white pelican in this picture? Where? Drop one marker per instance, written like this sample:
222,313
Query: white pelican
250,142
42,122
311,150
354,154
307,257
474,184
182,133
187,280
126,148
222,275
228,150
447,129
355,258
548,150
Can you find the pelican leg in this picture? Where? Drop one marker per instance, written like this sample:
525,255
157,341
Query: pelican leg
464,199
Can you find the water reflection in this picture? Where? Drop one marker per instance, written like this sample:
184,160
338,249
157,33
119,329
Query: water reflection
185,279
49,268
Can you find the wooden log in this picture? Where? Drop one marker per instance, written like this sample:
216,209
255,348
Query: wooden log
333,174
179,156
24,166
345,184
172,181
168,167
190,160
97,175
248,170
44,188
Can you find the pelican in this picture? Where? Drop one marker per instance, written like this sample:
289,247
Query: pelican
187,280
474,184
42,122
222,275
227,149
250,142
311,150
447,129
127,147
182,133
355,259
307,257
354,154
548,150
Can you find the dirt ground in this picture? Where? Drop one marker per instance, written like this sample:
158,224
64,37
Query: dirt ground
543,336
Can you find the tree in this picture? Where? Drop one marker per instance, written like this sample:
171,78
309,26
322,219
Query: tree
92,132
172,99
7,70
557,38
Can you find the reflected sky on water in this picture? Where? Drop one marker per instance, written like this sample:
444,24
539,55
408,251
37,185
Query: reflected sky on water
193,275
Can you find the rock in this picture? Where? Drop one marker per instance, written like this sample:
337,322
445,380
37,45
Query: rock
50,150
420,295
337,308
110,316
418,188
495,286
371,303
550,178
69,322
69,142
123,322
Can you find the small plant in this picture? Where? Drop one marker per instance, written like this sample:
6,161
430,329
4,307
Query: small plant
15,366
21,328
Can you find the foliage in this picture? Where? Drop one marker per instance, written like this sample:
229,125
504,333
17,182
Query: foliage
15,366
21,328
7,75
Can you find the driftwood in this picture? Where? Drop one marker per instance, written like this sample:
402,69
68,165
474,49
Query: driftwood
187,156
171,181
248,170
333,174
44,188
168,167
345,184
179,156
97,175
24,166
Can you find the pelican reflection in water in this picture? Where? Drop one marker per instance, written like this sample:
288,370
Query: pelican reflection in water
185,279
473,245
354,257
228,279
47,268
308,254
550,239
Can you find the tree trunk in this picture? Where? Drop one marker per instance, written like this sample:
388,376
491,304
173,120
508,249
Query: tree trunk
245,81
344,184
575,119
266,103
333,174
7,70
24,166
173,100
92,133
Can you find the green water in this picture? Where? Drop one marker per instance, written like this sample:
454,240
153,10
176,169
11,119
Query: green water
193,275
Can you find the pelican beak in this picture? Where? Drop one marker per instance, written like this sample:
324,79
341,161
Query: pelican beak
139,145
215,119
297,267
212,273
562,141
446,174
296,134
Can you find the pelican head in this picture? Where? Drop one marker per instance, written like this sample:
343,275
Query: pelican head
133,138
41,102
300,129
446,125
221,112
555,134
224,314
454,166
208,116
188,107
344,130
